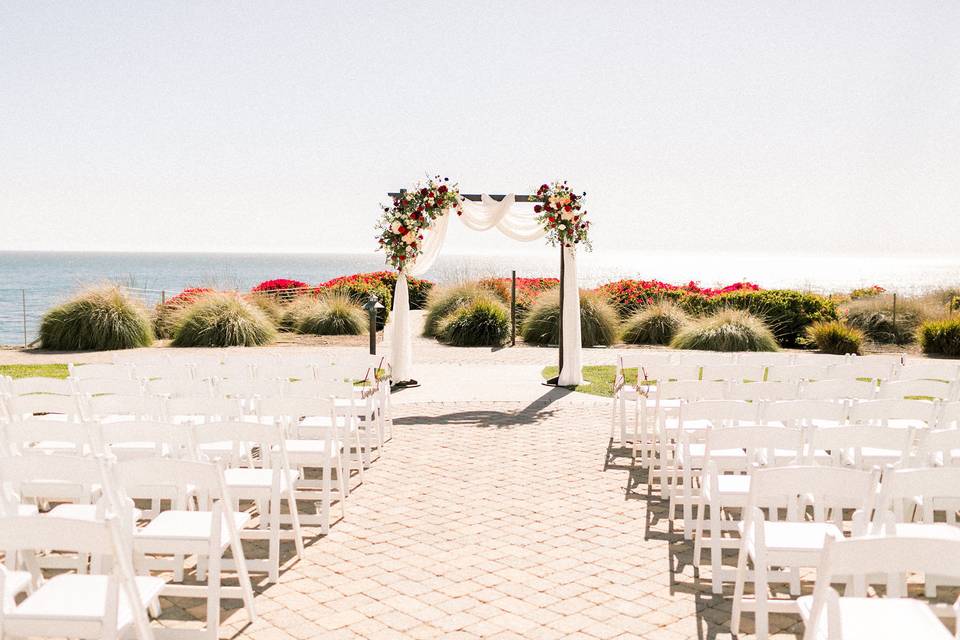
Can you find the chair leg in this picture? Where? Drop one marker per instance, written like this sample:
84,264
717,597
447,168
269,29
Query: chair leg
213,597
761,613
716,549
344,492
273,574
325,500
295,520
738,590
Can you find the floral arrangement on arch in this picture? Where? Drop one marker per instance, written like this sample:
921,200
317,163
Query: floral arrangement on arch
561,213
402,224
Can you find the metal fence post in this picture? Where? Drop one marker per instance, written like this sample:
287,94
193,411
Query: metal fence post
23,305
513,308
896,333
163,296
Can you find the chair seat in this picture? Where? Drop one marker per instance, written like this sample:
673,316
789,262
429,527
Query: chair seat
308,446
27,510
737,485
14,582
936,530
138,449
238,478
880,618
794,536
86,512
189,526
699,451
70,596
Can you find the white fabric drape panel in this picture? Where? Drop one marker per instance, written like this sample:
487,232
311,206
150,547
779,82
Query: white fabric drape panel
571,373
482,216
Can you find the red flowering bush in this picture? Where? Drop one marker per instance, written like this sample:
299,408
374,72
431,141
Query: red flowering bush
282,289
419,288
629,296
867,292
163,313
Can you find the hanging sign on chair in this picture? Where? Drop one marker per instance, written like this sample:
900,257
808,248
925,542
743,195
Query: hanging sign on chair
562,215
402,225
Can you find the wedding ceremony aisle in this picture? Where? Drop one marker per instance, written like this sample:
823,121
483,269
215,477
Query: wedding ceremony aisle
486,520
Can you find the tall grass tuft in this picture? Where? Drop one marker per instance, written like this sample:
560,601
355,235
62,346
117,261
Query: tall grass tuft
270,305
333,315
443,301
940,337
97,319
599,322
482,322
726,330
836,337
222,320
874,316
656,323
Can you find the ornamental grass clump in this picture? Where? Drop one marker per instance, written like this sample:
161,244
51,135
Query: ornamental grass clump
599,323
726,330
96,319
332,315
875,317
222,320
656,323
443,302
166,312
836,337
940,337
482,322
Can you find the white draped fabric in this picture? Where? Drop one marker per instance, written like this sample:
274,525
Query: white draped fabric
514,223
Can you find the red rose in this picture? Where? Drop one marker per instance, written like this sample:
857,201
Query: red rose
424,192
552,220
567,207
443,188
544,187
402,230
537,209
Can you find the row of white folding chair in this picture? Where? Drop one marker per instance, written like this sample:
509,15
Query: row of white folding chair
799,542
201,523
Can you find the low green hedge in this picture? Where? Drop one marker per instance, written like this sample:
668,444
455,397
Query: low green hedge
836,337
940,337
482,322
726,330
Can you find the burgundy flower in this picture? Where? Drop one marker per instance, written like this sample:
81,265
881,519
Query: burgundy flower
537,209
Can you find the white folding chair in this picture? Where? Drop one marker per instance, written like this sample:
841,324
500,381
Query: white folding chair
917,389
131,439
179,388
797,541
268,480
163,370
827,616
640,390
205,532
224,412
939,448
33,435
863,446
943,370
732,372
805,413
43,407
949,416
703,358
838,389
27,386
115,408
864,370
316,438
242,370
80,371
95,605
730,454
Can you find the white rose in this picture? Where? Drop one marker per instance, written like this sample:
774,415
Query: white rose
410,238
396,227
567,215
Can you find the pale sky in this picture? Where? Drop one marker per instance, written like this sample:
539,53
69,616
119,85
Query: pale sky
801,127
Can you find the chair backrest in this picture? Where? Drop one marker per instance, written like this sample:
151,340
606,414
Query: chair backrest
116,407
645,359
139,358
859,370
112,386
846,444
838,389
34,435
922,412
939,447
828,489
53,477
793,372
242,370
949,416
820,359
24,533
248,389
25,386
176,479
79,371
49,406
179,387
200,410
805,412
763,444
691,390
161,370
763,391
153,439
647,374
930,490
703,358
718,412
916,388
732,372
318,388
943,370
764,358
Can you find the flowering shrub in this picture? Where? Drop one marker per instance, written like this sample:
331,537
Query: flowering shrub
402,225
629,296
282,289
163,312
419,288
561,213
867,292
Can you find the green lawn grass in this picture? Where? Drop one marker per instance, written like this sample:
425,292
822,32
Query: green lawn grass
599,379
34,370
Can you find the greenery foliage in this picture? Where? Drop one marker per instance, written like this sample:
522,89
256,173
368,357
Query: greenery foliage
418,288
332,315
940,337
599,322
444,301
726,330
222,320
360,291
484,321
271,306
34,370
96,319
836,337
874,316
655,323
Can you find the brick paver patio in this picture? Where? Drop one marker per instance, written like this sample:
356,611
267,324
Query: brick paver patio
491,521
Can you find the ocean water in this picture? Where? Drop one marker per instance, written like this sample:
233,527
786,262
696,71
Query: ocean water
31,282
